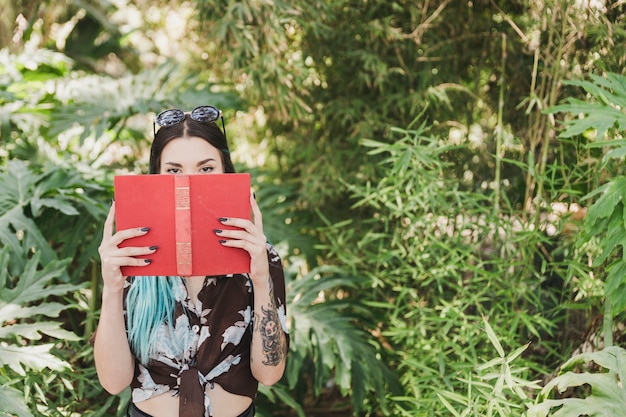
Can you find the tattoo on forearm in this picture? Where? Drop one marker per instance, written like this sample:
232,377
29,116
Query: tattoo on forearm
268,324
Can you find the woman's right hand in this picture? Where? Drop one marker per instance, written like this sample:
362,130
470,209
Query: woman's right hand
113,257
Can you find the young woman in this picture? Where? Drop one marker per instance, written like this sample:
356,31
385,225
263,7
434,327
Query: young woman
191,346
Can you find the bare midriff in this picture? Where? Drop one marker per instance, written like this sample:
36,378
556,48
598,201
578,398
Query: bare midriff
223,404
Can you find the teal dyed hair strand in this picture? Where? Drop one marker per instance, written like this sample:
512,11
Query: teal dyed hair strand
149,304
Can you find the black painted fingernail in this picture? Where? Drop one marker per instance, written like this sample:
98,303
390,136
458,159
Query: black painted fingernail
217,230
153,247
147,260
254,195
222,219
222,241
145,229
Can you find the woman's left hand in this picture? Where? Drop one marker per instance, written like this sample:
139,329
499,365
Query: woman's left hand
250,237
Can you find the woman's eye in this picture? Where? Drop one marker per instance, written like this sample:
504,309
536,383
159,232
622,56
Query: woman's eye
206,169
173,171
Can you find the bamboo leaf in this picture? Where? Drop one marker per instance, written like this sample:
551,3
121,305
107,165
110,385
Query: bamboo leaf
493,338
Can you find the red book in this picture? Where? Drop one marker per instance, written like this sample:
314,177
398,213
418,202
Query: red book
182,212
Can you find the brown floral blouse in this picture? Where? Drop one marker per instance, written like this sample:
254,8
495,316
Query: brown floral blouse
210,344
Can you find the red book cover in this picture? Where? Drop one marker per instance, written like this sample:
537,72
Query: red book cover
182,211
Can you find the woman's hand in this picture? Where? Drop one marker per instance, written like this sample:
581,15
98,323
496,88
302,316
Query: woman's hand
113,257
250,237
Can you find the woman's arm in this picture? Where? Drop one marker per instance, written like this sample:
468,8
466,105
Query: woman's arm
114,360
269,343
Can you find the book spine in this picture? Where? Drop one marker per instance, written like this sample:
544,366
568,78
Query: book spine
183,225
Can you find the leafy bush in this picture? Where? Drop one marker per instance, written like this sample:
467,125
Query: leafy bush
329,346
598,123
435,257
47,247
25,313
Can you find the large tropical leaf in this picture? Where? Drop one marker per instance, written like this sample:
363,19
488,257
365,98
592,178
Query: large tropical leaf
51,210
12,403
18,231
607,396
37,357
327,333
23,307
24,321
603,111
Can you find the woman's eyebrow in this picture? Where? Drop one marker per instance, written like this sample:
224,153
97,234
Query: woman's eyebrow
173,164
205,161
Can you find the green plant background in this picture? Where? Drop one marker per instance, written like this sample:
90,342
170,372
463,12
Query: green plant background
444,180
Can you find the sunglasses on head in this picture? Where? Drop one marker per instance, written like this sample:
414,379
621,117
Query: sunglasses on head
171,117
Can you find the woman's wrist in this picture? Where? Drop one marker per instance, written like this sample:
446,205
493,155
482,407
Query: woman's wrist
112,293
260,284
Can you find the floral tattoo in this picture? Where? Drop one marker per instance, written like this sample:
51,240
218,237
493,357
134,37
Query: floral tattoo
268,324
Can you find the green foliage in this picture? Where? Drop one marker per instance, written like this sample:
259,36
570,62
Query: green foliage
258,43
47,232
327,74
601,393
25,318
603,111
31,200
41,299
435,258
606,226
12,403
84,100
603,117
17,182
326,344
490,385
274,398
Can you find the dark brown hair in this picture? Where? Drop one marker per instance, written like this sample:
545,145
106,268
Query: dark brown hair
208,131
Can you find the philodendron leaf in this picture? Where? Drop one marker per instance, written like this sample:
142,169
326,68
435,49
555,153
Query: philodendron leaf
33,331
10,312
33,357
12,403
33,282
607,397
26,299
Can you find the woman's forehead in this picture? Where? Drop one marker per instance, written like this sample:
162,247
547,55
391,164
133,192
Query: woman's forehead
189,149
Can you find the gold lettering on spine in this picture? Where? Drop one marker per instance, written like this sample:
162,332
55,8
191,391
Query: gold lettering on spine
183,253
182,198
183,225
